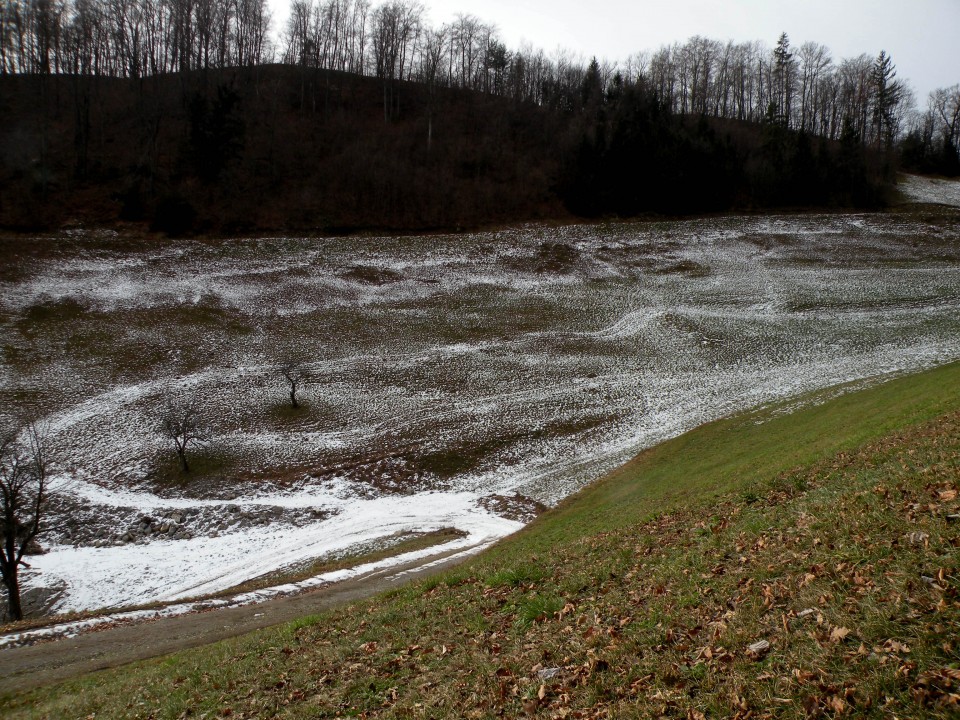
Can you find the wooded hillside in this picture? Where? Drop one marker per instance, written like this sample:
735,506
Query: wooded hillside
176,114
284,148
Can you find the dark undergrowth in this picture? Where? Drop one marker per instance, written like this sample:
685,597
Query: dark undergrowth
237,152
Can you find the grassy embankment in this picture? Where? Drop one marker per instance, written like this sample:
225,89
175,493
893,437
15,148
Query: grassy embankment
825,533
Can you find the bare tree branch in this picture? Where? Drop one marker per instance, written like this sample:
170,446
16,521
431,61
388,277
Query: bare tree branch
296,376
24,497
180,422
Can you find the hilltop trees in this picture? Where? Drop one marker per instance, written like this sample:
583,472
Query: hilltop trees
24,495
784,72
393,41
887,94
933,143
394,28
131,38
814,64
331,34
453,127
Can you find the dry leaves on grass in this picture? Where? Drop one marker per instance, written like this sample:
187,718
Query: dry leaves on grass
839,634
939,688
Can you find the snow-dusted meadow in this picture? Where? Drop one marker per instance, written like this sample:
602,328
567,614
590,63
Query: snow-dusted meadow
935,191
451,376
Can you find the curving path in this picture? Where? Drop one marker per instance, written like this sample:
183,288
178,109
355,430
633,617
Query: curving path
33,666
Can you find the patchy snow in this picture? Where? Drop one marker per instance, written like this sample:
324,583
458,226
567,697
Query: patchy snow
455,550
444,371
173,570
938,191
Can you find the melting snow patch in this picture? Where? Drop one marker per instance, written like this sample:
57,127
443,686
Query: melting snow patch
471,373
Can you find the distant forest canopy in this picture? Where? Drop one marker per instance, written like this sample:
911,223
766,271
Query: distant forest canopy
159,109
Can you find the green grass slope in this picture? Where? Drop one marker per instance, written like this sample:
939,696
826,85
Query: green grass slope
774,564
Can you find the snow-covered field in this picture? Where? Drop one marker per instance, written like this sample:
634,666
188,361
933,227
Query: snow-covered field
939,191
451,377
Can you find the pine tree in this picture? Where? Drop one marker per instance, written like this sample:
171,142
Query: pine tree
783,69
887,93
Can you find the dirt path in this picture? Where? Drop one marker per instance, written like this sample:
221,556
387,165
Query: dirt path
32,666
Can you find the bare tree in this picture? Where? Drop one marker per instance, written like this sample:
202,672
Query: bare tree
23,485
295,375
855,91
395,30
944,105
434,47
180,422
815,62
251,25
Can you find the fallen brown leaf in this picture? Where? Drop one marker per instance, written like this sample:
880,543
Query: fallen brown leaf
838,634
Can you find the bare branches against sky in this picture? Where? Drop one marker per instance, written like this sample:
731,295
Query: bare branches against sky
920,35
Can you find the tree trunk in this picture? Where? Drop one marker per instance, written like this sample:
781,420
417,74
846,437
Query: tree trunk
14,610
293,397
182,455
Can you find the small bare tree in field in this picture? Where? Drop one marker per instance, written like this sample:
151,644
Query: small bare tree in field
23,485
180,422
295,375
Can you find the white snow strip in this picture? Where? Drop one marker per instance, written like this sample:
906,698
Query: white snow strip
72,629
171,570
467,356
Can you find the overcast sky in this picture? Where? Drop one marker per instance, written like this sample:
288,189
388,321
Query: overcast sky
922,36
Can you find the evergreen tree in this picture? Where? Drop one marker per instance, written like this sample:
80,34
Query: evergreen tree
783,71
887,94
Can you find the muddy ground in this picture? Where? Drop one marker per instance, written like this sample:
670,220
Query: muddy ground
443,373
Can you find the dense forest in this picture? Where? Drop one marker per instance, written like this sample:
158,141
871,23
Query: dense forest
191,115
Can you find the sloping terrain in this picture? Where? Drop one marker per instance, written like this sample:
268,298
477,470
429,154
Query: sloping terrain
278,148
454,381
779,565
937,191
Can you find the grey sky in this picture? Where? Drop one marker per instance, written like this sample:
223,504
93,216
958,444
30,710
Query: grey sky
920,35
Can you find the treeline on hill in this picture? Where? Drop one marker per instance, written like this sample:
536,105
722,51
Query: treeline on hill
634,155
174,112
932,145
